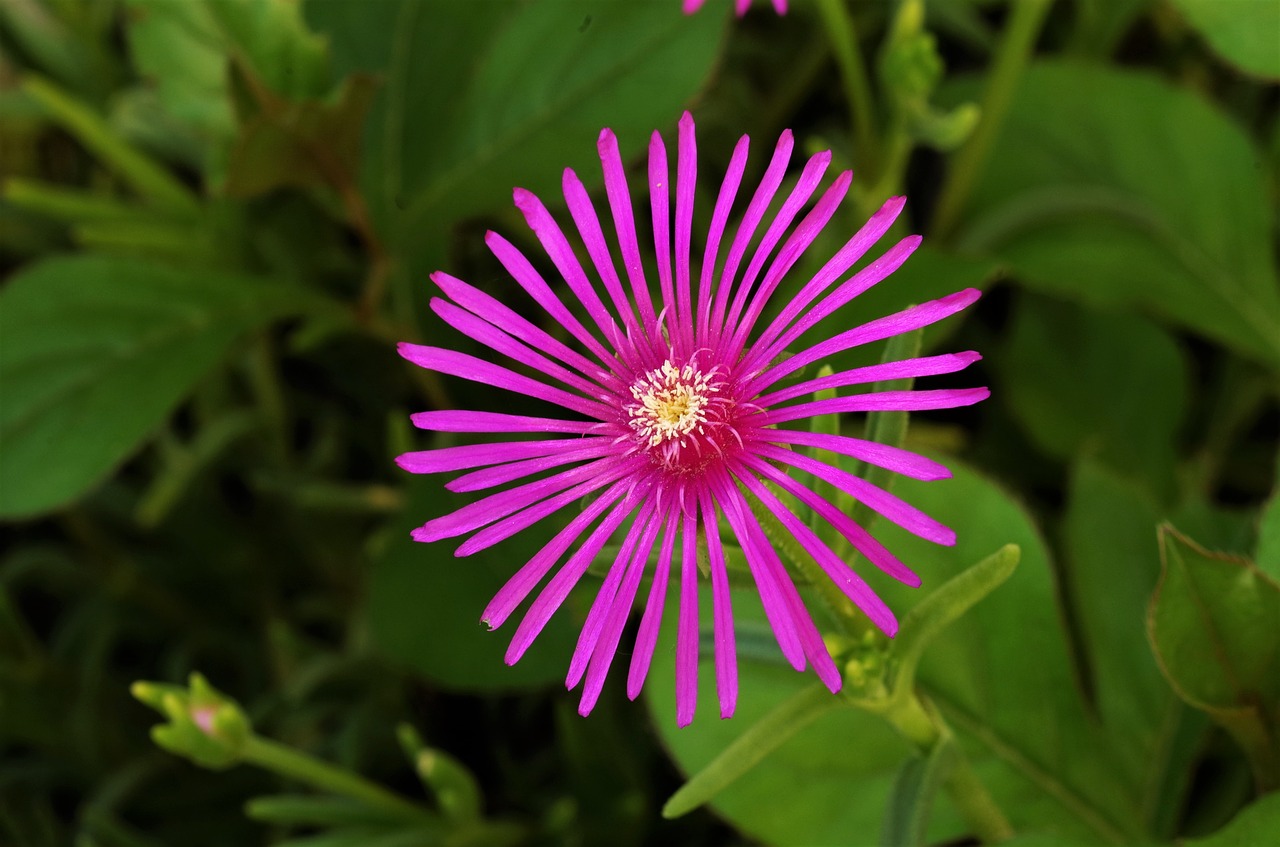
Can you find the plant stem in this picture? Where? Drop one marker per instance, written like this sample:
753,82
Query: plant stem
290,763
925,728
838,24
1011,58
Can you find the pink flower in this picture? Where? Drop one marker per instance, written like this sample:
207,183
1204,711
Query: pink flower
691,6
673,414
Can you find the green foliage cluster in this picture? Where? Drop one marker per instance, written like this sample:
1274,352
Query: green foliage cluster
217,217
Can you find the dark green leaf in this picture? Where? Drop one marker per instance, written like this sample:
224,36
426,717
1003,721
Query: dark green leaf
94,353
1063,362
1258,823
424,604
1212,624
1244,32
1114,563
483,97
1129,192
829,783
1268,555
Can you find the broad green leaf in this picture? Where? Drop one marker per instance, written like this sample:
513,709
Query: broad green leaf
1268,555
1212,625
483,97
1258,823
95,353
1113,563
1011,701
1063,362
424,604
1131,193
1244,32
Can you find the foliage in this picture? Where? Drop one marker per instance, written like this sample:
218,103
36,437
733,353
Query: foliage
217,218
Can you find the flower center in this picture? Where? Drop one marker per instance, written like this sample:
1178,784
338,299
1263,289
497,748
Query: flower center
680,415
670,403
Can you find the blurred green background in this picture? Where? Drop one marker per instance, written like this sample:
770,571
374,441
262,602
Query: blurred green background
218,217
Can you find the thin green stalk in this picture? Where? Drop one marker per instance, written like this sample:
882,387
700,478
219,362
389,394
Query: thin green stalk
1011,58
319,774
839,27
147,177
926,729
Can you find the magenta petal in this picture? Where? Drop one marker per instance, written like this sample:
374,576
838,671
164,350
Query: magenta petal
615,183
904,369
527,578
550,598
750,221
879,401
726,652
686,185
510,525
605,597
687,632
877,330
496,506
800,194
800,240
766,569
532,282
841,574
607,646
495,339
477,455
461,365
862,541
660,204
451,420
724,203
511,471
647,636
873,453
562,256
889,506
487,308
845,257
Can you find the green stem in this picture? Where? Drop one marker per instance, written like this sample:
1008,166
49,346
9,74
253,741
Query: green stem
839,27
925,728
1011,58
147,177
295,765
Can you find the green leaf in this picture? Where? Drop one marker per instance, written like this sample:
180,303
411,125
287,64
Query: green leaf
271,38
1114,564
317,810
483,97
1131,193
1062,361
95,353
943,607
829,784
176,50
1212,625
1268,555
306,143
1244,32
424,604
1258,823
911,799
